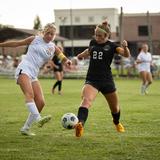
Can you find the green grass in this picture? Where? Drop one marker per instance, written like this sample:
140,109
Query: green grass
139,114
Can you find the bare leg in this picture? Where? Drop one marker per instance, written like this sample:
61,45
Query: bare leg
112,100
143,76
88,95
38,95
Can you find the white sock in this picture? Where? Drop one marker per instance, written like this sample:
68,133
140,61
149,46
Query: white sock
146,86
33,115
143,89
29,121
33,110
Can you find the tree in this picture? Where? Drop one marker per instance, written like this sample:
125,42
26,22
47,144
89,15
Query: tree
3,26
37,23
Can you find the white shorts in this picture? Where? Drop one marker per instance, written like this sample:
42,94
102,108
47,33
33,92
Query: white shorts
144,67
26,71
141,69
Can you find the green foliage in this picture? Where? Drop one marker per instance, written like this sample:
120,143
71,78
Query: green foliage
3,26
139,114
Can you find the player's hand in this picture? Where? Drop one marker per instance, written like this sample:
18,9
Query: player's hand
124,44
79,57
68,63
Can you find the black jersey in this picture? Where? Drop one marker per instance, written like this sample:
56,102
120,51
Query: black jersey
58,63
101,56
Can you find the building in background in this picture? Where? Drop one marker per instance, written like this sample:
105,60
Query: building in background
75,28
77,25
10,33
136,31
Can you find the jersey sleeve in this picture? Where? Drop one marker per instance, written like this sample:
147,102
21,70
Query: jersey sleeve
115,46
90,45
139,57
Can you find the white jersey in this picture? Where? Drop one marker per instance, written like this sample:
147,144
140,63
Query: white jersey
39,52
146,59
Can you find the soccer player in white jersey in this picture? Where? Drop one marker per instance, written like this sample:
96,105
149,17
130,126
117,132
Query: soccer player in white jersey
144,61
41,49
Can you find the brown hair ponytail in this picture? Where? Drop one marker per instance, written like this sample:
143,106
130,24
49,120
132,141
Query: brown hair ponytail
104,27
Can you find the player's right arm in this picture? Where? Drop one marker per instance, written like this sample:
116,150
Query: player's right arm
16,43
84,54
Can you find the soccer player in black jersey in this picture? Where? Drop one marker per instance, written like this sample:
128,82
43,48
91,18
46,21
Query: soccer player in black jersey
58,73
99,77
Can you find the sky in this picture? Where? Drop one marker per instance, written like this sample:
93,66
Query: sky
21,13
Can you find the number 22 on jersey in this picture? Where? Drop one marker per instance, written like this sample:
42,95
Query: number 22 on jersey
97,55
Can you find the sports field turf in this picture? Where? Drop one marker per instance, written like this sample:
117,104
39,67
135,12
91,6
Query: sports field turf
139,114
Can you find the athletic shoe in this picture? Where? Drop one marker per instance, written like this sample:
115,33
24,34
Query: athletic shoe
146,92
52,90
59,92
143,90
79,129
43,120
26,132
119,127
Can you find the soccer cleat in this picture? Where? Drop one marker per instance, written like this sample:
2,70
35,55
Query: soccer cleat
59,92
119,127
79,129
52,90
43,120
146,92
26,132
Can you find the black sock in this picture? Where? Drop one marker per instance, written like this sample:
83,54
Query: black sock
116,117
82,114
54,86
59,85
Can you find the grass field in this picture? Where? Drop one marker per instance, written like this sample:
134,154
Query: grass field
139,114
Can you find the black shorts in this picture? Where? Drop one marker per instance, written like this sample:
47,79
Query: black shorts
60,69
104,87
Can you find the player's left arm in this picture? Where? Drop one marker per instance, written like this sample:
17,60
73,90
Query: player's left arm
62,57
124,50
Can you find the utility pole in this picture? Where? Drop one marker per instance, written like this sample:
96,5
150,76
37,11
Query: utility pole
71,31
121,35
149,33
121,26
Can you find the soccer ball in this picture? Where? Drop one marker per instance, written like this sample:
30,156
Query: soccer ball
69,120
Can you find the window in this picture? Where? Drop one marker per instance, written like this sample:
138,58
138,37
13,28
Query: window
77,19
143,30
90,19
77,32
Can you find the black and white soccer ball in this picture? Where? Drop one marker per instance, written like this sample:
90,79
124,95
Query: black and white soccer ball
69,120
